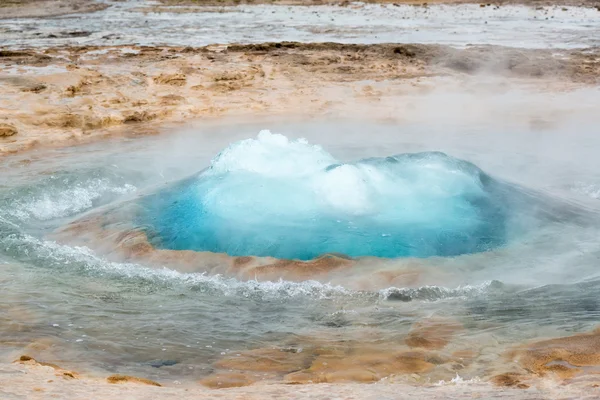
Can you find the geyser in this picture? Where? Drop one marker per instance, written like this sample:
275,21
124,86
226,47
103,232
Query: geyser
271,196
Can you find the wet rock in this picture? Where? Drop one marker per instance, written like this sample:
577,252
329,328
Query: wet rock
138,116
40,87
28,360
464,355
361,365
41,345
299,378
563,357
398,296
62,120
7,130
509,380
171,99
227,380
266,360
352,375
18,53
130,379
69,374
432,334
171,79
405,51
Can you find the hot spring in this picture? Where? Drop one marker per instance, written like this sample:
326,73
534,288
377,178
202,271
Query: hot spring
304,253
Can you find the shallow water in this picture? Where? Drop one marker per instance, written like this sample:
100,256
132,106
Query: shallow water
101,314
125,23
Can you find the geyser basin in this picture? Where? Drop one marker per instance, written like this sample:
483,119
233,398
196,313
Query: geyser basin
288,199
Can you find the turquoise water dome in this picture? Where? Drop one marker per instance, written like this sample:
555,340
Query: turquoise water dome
271,196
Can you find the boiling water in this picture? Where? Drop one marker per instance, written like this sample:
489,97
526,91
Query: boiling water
506,241
273,197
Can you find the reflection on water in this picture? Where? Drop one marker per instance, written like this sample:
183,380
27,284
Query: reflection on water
422,319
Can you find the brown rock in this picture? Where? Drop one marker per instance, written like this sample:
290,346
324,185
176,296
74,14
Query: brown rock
126,378
509,380
138,116
171,99
362,365
301,377
70,374
40,87
7,130
352,375
266,360
171,79
28,360
561,356
227,380
432,334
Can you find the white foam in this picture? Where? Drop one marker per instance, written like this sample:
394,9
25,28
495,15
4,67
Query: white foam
458,380
292,157
345,189
435,293
587,189
65,202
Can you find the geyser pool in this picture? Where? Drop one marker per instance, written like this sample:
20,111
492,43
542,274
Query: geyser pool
270,196
105,314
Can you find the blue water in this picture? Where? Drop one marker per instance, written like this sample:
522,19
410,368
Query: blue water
270,196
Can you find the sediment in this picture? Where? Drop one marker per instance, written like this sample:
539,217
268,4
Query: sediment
71,95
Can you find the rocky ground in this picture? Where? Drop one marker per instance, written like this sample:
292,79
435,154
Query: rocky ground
588,3
74,94
46,8
550,369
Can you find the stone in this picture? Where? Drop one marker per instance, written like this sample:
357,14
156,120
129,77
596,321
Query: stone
7,130
130,379
171,79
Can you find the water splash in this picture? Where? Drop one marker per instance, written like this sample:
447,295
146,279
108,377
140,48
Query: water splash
62,195
270,196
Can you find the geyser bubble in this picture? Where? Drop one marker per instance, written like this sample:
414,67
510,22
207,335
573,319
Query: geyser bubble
272,196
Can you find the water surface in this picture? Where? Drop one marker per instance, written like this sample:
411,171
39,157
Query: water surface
128,317
134,23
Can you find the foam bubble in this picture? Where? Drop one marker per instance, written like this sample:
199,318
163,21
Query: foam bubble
271,196
434,293
260,155
458,380
58,202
